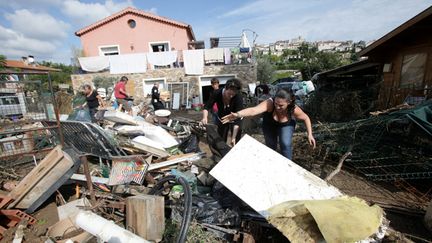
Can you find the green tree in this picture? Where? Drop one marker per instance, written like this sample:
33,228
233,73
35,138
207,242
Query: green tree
2,62
313,61
61,77
265,70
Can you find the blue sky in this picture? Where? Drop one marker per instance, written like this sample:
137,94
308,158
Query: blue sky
45,28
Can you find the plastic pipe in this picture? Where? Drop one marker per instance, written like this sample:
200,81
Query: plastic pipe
106,230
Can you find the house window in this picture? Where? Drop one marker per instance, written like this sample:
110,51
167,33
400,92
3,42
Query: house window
413,69
131,23
109,50
159,47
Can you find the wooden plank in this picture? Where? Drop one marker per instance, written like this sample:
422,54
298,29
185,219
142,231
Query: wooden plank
145,216
41,185
33,178
174,160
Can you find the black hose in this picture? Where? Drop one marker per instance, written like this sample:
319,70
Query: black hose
187,213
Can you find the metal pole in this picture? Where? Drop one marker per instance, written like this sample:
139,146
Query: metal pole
56,111
84,162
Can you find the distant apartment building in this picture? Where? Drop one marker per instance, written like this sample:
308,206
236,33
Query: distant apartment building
263,49
327,45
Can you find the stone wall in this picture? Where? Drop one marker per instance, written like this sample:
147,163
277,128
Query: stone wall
247,73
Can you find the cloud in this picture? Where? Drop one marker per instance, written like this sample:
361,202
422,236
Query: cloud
33,33
319,20
83,14
40,26
15,44
33,4
152,10
263,7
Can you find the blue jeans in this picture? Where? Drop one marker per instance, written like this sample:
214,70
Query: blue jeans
282,133
215,118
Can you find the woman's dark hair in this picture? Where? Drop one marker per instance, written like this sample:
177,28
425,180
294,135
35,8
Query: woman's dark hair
288,96
234,84
86,86
123,78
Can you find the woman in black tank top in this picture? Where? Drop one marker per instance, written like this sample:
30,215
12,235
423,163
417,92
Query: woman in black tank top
280,115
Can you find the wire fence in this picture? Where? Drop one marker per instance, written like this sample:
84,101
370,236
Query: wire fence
23,106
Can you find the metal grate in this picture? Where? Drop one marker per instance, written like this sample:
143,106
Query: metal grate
88,138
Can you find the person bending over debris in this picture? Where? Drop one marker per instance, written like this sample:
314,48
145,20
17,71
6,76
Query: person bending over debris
228,100
93,100
121,94
279,120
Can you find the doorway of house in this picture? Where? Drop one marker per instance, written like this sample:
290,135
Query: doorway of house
205,85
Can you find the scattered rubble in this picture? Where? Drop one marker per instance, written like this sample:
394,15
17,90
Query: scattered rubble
147,178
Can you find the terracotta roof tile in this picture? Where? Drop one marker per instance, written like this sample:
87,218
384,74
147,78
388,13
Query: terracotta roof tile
22,65
136,12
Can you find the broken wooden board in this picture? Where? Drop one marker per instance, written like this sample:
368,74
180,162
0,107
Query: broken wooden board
51,172
263,178
175,160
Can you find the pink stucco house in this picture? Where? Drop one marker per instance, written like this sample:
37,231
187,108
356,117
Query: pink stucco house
134,31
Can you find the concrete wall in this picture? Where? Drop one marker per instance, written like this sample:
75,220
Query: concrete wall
247,73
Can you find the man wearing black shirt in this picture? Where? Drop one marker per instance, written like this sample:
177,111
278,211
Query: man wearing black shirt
157,104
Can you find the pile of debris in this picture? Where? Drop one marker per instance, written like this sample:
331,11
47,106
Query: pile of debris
145,178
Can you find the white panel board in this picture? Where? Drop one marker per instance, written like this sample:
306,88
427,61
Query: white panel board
120,117
263,178
176,101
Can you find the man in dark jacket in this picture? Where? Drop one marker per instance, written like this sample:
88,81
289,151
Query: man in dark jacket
157,104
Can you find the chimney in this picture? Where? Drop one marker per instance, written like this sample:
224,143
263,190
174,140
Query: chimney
30,60
24,60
